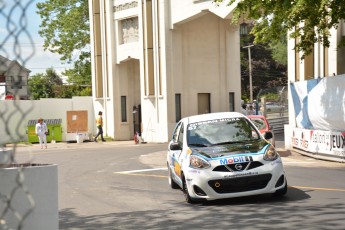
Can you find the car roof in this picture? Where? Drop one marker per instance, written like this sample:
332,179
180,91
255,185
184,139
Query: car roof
212,116
256,116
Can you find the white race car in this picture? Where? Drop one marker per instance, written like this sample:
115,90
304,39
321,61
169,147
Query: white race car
223,155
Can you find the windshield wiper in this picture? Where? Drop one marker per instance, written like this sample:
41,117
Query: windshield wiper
198,145
231,142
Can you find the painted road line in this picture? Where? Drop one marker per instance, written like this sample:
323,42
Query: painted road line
322,189
298,162
144,175
141,170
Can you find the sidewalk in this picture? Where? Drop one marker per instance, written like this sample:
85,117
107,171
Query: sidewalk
71,145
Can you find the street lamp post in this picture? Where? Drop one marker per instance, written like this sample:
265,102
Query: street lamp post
250,72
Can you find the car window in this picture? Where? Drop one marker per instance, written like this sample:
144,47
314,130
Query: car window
220,131
176,132
180,135
259,123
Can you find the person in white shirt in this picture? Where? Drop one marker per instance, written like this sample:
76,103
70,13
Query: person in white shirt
41,132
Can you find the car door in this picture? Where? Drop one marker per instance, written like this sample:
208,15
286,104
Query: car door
175,151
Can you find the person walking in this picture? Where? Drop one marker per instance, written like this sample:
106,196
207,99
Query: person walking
41,131
99,123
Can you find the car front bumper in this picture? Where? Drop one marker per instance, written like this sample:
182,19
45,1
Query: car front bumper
211,185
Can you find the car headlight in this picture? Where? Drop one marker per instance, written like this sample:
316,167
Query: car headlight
198,163
270,154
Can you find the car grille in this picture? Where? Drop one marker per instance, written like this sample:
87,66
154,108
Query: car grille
241,184
238,167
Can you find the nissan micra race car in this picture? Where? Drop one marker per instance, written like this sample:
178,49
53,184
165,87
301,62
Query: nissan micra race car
223,155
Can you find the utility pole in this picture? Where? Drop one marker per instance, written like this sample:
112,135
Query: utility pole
250,72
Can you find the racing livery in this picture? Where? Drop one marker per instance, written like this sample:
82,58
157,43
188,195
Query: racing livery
223,155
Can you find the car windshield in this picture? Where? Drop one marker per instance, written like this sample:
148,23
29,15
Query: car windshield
259,122
220,131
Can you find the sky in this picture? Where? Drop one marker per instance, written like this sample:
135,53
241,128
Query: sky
19,38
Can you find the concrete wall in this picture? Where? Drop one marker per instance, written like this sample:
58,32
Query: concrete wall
14,115
39,206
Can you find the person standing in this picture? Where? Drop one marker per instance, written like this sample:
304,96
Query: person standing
41,131
99,123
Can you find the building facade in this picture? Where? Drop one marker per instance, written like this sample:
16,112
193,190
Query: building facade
156,61
13,80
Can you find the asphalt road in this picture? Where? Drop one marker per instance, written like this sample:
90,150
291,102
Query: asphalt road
120,185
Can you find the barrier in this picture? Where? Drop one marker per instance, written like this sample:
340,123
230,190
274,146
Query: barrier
278,123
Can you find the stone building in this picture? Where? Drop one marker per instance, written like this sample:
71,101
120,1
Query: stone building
156,61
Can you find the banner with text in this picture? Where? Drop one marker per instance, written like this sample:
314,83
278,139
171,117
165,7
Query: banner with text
321,142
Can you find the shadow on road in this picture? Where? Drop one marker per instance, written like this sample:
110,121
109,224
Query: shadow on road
259,212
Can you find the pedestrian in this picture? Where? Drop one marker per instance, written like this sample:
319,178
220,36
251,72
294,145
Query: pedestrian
250,110
243,108
99,123
41,131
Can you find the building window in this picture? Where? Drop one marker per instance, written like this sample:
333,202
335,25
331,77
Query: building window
178,106
232,102
309,66
123,109
325,61
297,63
16,83
204,103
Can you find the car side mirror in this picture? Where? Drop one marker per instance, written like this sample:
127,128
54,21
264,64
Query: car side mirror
268,135
175,146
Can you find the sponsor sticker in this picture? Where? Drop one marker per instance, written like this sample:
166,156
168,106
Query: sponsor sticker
236,159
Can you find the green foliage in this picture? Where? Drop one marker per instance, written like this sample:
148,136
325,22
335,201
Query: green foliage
271,96
42,85
50,85
81,74
310,20
267,71
68,91
65,26
66,31
38,86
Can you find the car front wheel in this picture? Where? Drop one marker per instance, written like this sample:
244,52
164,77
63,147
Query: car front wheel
185,191
172,183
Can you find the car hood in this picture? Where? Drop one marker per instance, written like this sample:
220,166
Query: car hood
232,149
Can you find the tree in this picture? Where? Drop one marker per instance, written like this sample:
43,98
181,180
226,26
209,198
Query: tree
268,73
42,85
66,31
309,20
51,85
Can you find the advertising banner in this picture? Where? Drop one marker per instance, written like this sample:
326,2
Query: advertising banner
319,142
319,104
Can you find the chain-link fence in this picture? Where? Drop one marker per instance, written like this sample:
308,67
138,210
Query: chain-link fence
16,49
276,101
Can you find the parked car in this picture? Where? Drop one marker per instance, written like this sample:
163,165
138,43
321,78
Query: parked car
223,155
262,124
273,107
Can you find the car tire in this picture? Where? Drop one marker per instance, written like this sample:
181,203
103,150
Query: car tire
172,183
187,197
282,191
185,191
